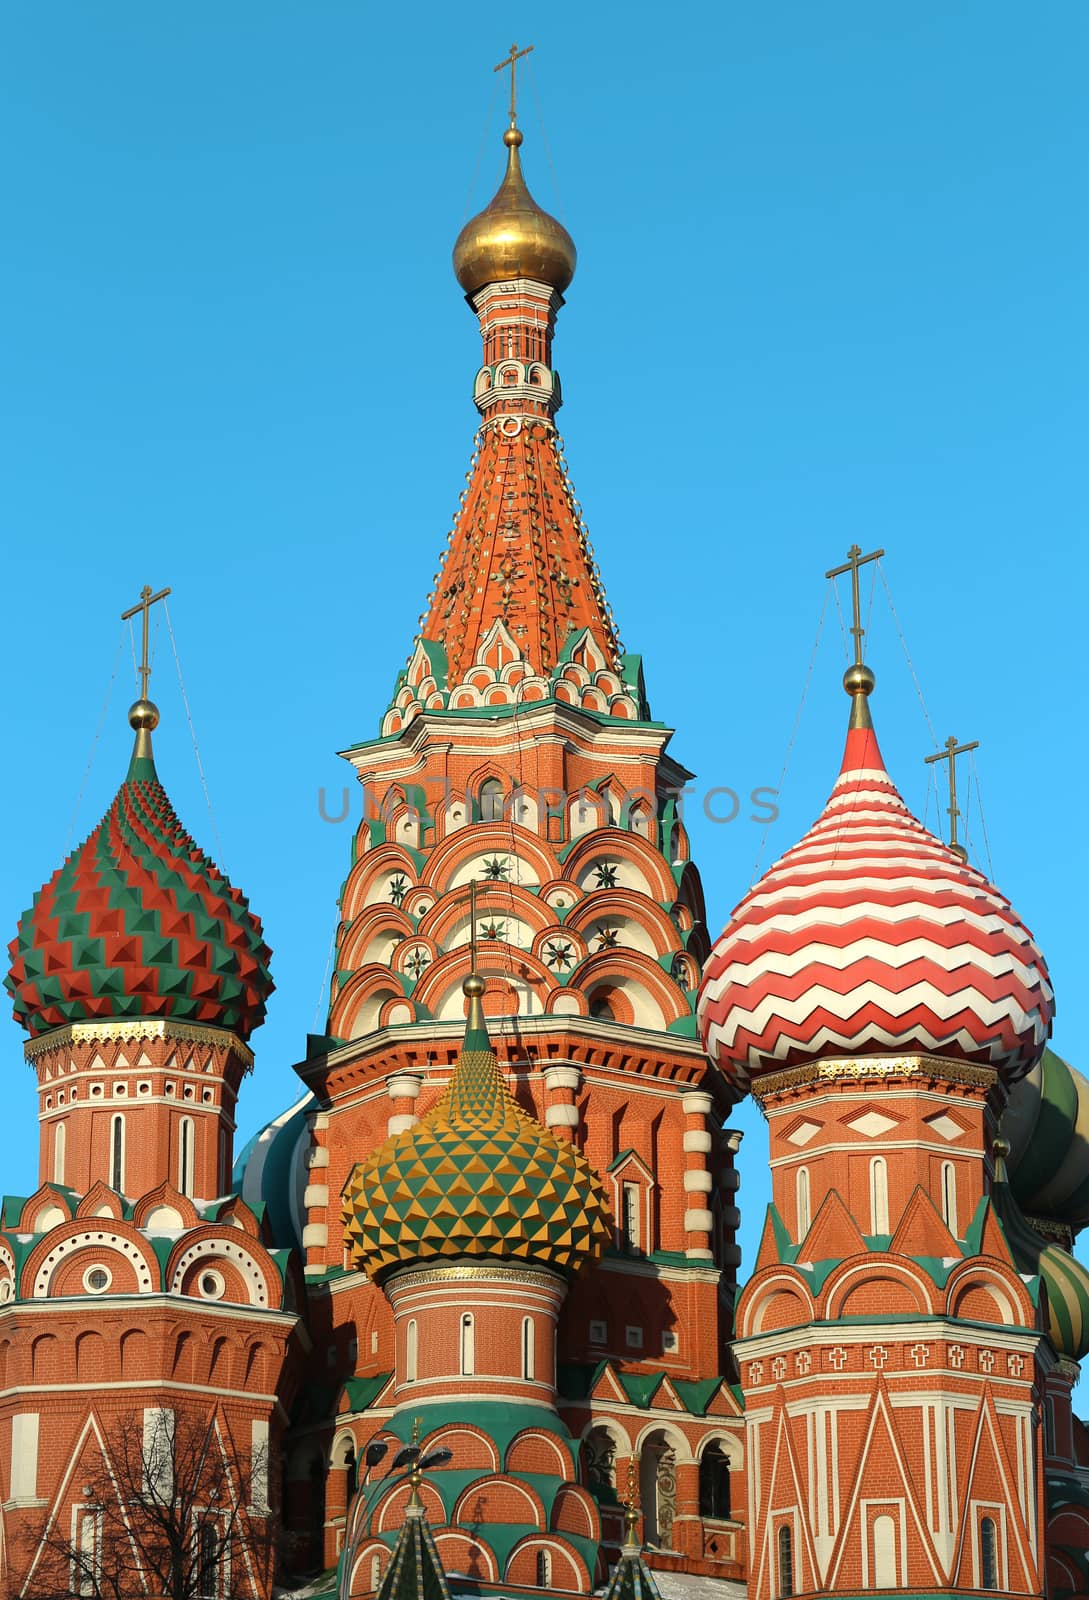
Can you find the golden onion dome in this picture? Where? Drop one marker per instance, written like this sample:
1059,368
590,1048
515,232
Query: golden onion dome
512,237
476,1176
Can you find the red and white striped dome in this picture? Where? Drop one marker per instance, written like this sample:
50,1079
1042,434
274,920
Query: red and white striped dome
872,936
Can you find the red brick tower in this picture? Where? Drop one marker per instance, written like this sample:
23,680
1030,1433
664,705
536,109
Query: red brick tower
519,754
140,1304
879,996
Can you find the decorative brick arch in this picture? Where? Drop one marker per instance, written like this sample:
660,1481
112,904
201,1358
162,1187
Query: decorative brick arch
981,1293
496,838
383,860
569,1571
462,1553
472,1447
496,1499
388,1515
43,1263
780,1300
502,899
378,918
212,1245
632,846
574,1511
674,1437
372,987
165,1196
629,905
904,1289
536,1450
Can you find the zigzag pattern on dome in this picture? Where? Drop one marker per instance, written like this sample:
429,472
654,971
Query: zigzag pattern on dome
872,935
477,1176
139,922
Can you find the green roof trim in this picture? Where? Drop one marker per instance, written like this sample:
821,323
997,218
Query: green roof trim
362,1392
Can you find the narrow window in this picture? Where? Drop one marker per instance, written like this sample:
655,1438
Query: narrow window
527,1347
949,1197
884,1553
802,1182
468,1346
86,1561
630,1198
185,1157
786,1563
544,1569
491,800
224,1161
412,1352
208,1552
715,1483
59,1138
879,1196
376,1571
117,1154
988,1554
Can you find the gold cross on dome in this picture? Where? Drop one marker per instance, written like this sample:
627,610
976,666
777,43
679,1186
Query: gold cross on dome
147,600
508,61
950,753
855,559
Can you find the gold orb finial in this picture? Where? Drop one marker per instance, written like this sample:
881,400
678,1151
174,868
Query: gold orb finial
143,715
473,986
859,679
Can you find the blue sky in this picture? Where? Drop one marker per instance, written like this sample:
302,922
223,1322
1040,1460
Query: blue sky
831,287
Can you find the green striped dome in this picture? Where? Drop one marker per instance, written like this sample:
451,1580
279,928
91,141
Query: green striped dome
1047,1126
1065,1279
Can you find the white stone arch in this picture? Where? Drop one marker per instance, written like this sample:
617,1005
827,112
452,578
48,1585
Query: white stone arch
731,1444
620,1435
673,1437
116,1243
212,1250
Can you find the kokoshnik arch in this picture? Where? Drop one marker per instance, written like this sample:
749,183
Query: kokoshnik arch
500,1222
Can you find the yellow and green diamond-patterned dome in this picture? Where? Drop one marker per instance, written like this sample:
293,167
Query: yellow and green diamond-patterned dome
477,1176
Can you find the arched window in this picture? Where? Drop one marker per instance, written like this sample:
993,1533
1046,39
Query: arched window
785,1545
715,1483
884,1553
491,800
527,1347
376,1570
412,1352
802,1185
630,1201
949,1197
59,1140
879,1195
600,1007
544,1569
988,1554
185,1157
468,1346
117,1154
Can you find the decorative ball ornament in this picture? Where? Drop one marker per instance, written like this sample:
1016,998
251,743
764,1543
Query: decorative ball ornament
872,936
144,714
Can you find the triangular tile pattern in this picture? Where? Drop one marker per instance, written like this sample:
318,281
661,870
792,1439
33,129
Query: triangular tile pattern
415,1571
631,1577
871,935
476,1176
519,554
139,922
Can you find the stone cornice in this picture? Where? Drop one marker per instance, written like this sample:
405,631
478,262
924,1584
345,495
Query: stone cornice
879,1068
134,1029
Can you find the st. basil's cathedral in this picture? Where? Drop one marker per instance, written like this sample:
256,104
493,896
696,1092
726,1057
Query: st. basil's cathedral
493,1244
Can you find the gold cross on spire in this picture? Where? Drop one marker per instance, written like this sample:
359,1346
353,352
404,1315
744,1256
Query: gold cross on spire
855,559
950,753
509,61
147,600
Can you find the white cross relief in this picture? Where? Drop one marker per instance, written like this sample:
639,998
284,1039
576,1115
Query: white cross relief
756,1372
838,1357
778,1369
920,1354
877,1355
802,1362
1015,1365
986,1361
956,1356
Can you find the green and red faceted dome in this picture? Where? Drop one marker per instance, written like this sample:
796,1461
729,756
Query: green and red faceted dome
871,936
139,922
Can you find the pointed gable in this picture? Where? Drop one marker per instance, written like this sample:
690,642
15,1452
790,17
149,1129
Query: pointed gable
834,1235
988,1482
868,1556
922,1231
